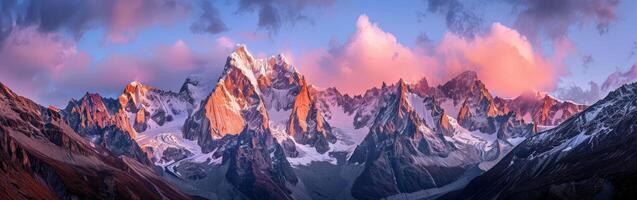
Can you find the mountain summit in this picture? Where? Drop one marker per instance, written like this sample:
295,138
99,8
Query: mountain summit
261,131
572,160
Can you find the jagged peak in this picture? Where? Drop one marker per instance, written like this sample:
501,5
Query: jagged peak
626,89
422,82
91,97
333,90
467,75
134,91
242,50
281,59
402,89
243,56
241,60
400,98
135,87
89,100
530,94
464,80
134,83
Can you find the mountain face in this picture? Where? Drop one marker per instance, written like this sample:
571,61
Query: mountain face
104,122
152,105
307,124
542,110
233,120
401,154
43,158
477,104
396,136
260,131
573,160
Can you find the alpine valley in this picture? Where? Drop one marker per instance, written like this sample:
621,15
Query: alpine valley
262,131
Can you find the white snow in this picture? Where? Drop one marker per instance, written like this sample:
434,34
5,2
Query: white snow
450,108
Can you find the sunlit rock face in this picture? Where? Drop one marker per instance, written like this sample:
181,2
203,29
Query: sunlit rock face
307,124
540,109
104,122
399,152
233,119
234,104
149,104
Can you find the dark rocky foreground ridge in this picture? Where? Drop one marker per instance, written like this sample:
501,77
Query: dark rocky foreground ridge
42,157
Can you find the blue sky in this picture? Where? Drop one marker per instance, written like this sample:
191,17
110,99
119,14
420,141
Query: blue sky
325,24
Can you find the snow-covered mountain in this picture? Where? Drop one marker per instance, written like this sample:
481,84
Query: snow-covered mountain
261,131
590,156
233,122
103,122
401,154
461,117
44,158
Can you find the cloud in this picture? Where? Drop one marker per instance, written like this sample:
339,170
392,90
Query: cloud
49,69
618,78
504,60
165,67
274,13
369,57
596,92
121,18
31,60
580,95
459,19
209,21
553,18
534,18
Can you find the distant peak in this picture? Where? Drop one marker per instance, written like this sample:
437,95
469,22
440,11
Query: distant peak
401,84
135,87
402,89
530,94
423,82
241,59
242,50
135,83
282,59
467,75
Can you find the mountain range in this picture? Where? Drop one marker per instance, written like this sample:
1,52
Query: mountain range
262,131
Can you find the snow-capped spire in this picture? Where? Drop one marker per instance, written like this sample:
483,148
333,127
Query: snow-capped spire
134,83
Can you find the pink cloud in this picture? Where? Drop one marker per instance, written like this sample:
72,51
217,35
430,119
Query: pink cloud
30,60
49,69
369,57
128,16
504,60
165,67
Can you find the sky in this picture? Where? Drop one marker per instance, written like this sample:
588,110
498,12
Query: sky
578,50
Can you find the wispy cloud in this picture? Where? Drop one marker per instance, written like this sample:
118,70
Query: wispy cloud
275,13
51,70
459,18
